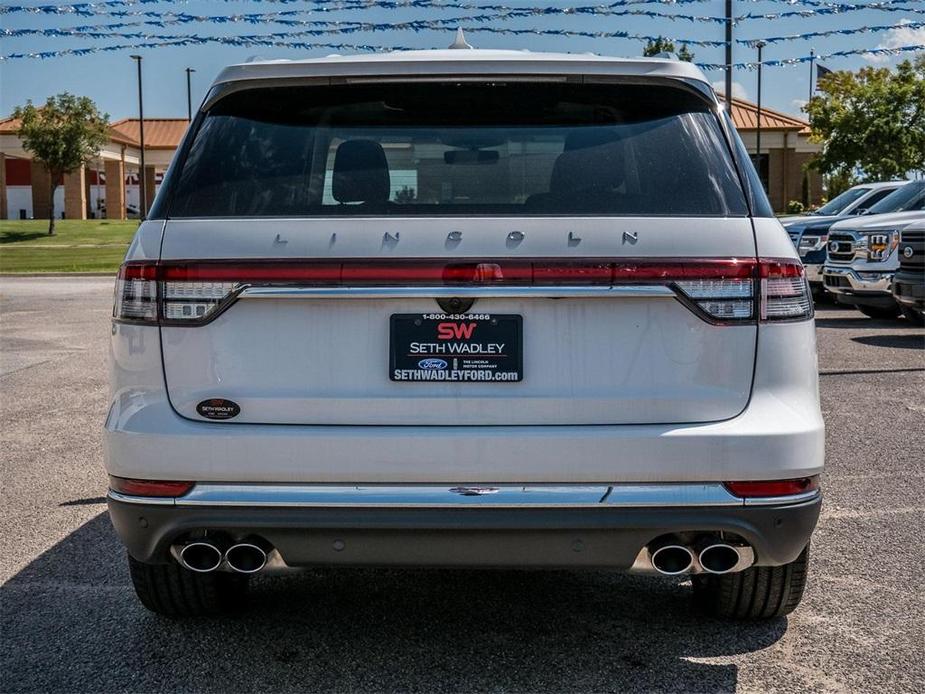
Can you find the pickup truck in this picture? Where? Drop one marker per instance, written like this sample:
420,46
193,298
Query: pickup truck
862,255
809,233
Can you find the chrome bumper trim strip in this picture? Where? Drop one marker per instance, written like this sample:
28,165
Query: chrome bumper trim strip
635,495
783,500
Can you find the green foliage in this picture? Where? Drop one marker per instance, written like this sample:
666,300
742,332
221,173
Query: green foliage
871,122
663,45
838,183
63,134
795,207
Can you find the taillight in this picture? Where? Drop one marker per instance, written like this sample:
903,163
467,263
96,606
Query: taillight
722,290
767,488
136,293
785,294
158,488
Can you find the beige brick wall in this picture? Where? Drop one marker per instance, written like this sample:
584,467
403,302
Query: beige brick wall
75,194
150,182
115,190
41,191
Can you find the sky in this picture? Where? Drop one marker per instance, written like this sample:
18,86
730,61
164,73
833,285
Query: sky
109,78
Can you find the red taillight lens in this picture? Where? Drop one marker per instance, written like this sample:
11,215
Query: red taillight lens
152,488
723,290
767,488
785,294
135,296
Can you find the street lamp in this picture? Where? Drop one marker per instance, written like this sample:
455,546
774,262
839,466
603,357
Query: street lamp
142,187
759,45
189,95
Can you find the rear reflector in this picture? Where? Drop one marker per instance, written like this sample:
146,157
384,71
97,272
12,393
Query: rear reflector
722,290
152,488
768,488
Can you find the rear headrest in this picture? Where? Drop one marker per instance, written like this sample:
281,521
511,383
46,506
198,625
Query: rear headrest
588,166
361,172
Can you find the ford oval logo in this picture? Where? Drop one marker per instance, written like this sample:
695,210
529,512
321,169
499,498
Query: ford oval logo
432,364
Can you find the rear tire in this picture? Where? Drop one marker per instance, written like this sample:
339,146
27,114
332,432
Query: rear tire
914,316
759,592
879,312
173,591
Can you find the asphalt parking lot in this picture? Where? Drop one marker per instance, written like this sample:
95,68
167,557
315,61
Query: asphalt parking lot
70,621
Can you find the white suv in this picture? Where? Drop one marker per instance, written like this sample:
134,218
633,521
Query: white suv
464,308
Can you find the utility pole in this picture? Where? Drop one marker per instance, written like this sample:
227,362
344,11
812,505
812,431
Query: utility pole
759,45
729,53
189,95
142,184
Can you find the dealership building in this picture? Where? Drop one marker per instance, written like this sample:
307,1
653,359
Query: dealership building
107,186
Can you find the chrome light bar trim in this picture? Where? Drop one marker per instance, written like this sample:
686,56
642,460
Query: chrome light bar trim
550,292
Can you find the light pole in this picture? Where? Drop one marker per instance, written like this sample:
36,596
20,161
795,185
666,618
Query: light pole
142,187
759,45
729,55
189,95
812,63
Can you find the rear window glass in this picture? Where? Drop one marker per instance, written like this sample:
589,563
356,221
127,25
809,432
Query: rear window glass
458,149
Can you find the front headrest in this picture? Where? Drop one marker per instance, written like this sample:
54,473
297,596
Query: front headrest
588,166
361,172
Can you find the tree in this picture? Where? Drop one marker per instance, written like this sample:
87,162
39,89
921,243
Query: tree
663,45
871,122
63,134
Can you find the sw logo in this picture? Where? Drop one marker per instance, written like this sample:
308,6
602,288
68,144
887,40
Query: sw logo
455,331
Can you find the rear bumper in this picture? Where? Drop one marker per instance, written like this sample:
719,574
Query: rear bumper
555,526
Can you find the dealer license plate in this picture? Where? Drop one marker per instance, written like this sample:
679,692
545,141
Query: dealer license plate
464,348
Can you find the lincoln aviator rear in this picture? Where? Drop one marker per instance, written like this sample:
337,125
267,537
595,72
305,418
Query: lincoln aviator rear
464,309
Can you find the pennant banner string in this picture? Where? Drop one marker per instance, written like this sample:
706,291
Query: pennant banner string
335,26
308,46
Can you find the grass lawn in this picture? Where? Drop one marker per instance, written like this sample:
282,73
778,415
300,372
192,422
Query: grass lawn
95,245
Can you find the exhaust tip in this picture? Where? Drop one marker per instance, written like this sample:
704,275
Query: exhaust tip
672,560
246,558
719,558
201,557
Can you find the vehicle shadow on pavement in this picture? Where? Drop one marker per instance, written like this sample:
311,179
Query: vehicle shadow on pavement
71,623
894,341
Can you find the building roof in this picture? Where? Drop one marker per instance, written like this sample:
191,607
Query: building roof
160,133
10,126
745,117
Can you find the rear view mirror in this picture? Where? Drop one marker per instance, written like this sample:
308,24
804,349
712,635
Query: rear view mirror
471,156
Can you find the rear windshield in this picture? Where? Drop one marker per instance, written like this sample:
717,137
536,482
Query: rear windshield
459,149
